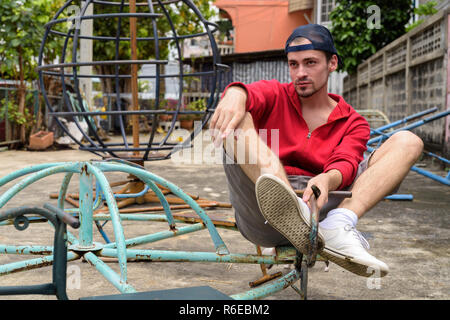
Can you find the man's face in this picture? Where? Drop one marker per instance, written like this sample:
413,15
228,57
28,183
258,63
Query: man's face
309,69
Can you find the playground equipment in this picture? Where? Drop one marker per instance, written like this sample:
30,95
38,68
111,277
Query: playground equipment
84,246
384,132
69,28
126,157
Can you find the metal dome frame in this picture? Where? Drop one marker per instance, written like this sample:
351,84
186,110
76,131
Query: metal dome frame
141,151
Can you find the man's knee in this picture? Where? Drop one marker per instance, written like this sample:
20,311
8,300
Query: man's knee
410,143
238,142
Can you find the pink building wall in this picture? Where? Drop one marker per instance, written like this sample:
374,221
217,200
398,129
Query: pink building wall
261,25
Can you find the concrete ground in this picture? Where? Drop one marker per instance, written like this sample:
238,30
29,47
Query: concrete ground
412,237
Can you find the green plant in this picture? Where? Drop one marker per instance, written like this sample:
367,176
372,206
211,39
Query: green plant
423,10
15,116
197,105
225,27
355,40
21,32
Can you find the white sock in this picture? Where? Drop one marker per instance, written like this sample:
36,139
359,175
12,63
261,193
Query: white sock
339,217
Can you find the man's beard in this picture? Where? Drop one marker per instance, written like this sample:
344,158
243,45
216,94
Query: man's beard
306,94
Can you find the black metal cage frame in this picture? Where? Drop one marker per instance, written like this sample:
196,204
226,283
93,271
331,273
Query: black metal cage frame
92,141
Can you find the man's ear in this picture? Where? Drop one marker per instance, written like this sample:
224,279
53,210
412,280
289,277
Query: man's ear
333,63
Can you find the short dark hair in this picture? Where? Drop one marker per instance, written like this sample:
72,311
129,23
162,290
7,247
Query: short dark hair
328,55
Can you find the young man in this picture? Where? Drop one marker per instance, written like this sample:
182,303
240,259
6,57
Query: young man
321,141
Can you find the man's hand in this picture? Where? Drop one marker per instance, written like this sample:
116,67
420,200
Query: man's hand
228,115
326,182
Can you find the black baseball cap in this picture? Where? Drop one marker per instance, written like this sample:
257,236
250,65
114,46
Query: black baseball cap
320,37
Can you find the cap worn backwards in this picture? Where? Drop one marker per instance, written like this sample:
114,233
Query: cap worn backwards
320,37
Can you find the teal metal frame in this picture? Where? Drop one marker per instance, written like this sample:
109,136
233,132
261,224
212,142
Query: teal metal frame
121,248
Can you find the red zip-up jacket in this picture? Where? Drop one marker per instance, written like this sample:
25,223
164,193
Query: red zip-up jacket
338,144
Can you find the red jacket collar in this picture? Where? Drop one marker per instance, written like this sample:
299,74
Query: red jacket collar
342,109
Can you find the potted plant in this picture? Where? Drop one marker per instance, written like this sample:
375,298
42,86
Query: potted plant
197,105
187,121
168,105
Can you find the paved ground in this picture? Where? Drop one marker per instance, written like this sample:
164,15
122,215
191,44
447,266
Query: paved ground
412,237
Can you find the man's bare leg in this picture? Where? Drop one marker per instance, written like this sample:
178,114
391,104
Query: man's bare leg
252,153
278,203
387,168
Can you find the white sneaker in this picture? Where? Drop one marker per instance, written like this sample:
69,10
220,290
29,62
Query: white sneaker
286,212
346,247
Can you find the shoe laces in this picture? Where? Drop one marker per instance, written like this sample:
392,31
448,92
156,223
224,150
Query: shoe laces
358,235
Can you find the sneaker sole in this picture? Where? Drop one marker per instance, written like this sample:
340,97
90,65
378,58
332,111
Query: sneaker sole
349,263
281,209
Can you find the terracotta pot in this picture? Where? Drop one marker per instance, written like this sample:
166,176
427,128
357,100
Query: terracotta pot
41,140
187,124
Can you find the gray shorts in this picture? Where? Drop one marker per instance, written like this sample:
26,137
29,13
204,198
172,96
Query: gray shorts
249,220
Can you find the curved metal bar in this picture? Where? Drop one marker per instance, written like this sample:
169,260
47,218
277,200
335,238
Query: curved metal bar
269,288
71,239
98,197
192,256
67,101
144,175
16,212
212,101
149,184
134,112
59,256
99,63
163,201
76,82
115,218
33,263
216,59
63,216
132,195
157,88
69,167
108,273
102,15
27,170
116,82
157,236
142,4
181,78
127,76
105,38
63,190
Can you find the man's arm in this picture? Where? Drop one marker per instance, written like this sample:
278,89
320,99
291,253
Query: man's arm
229,113
341,167
350,152
328,181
